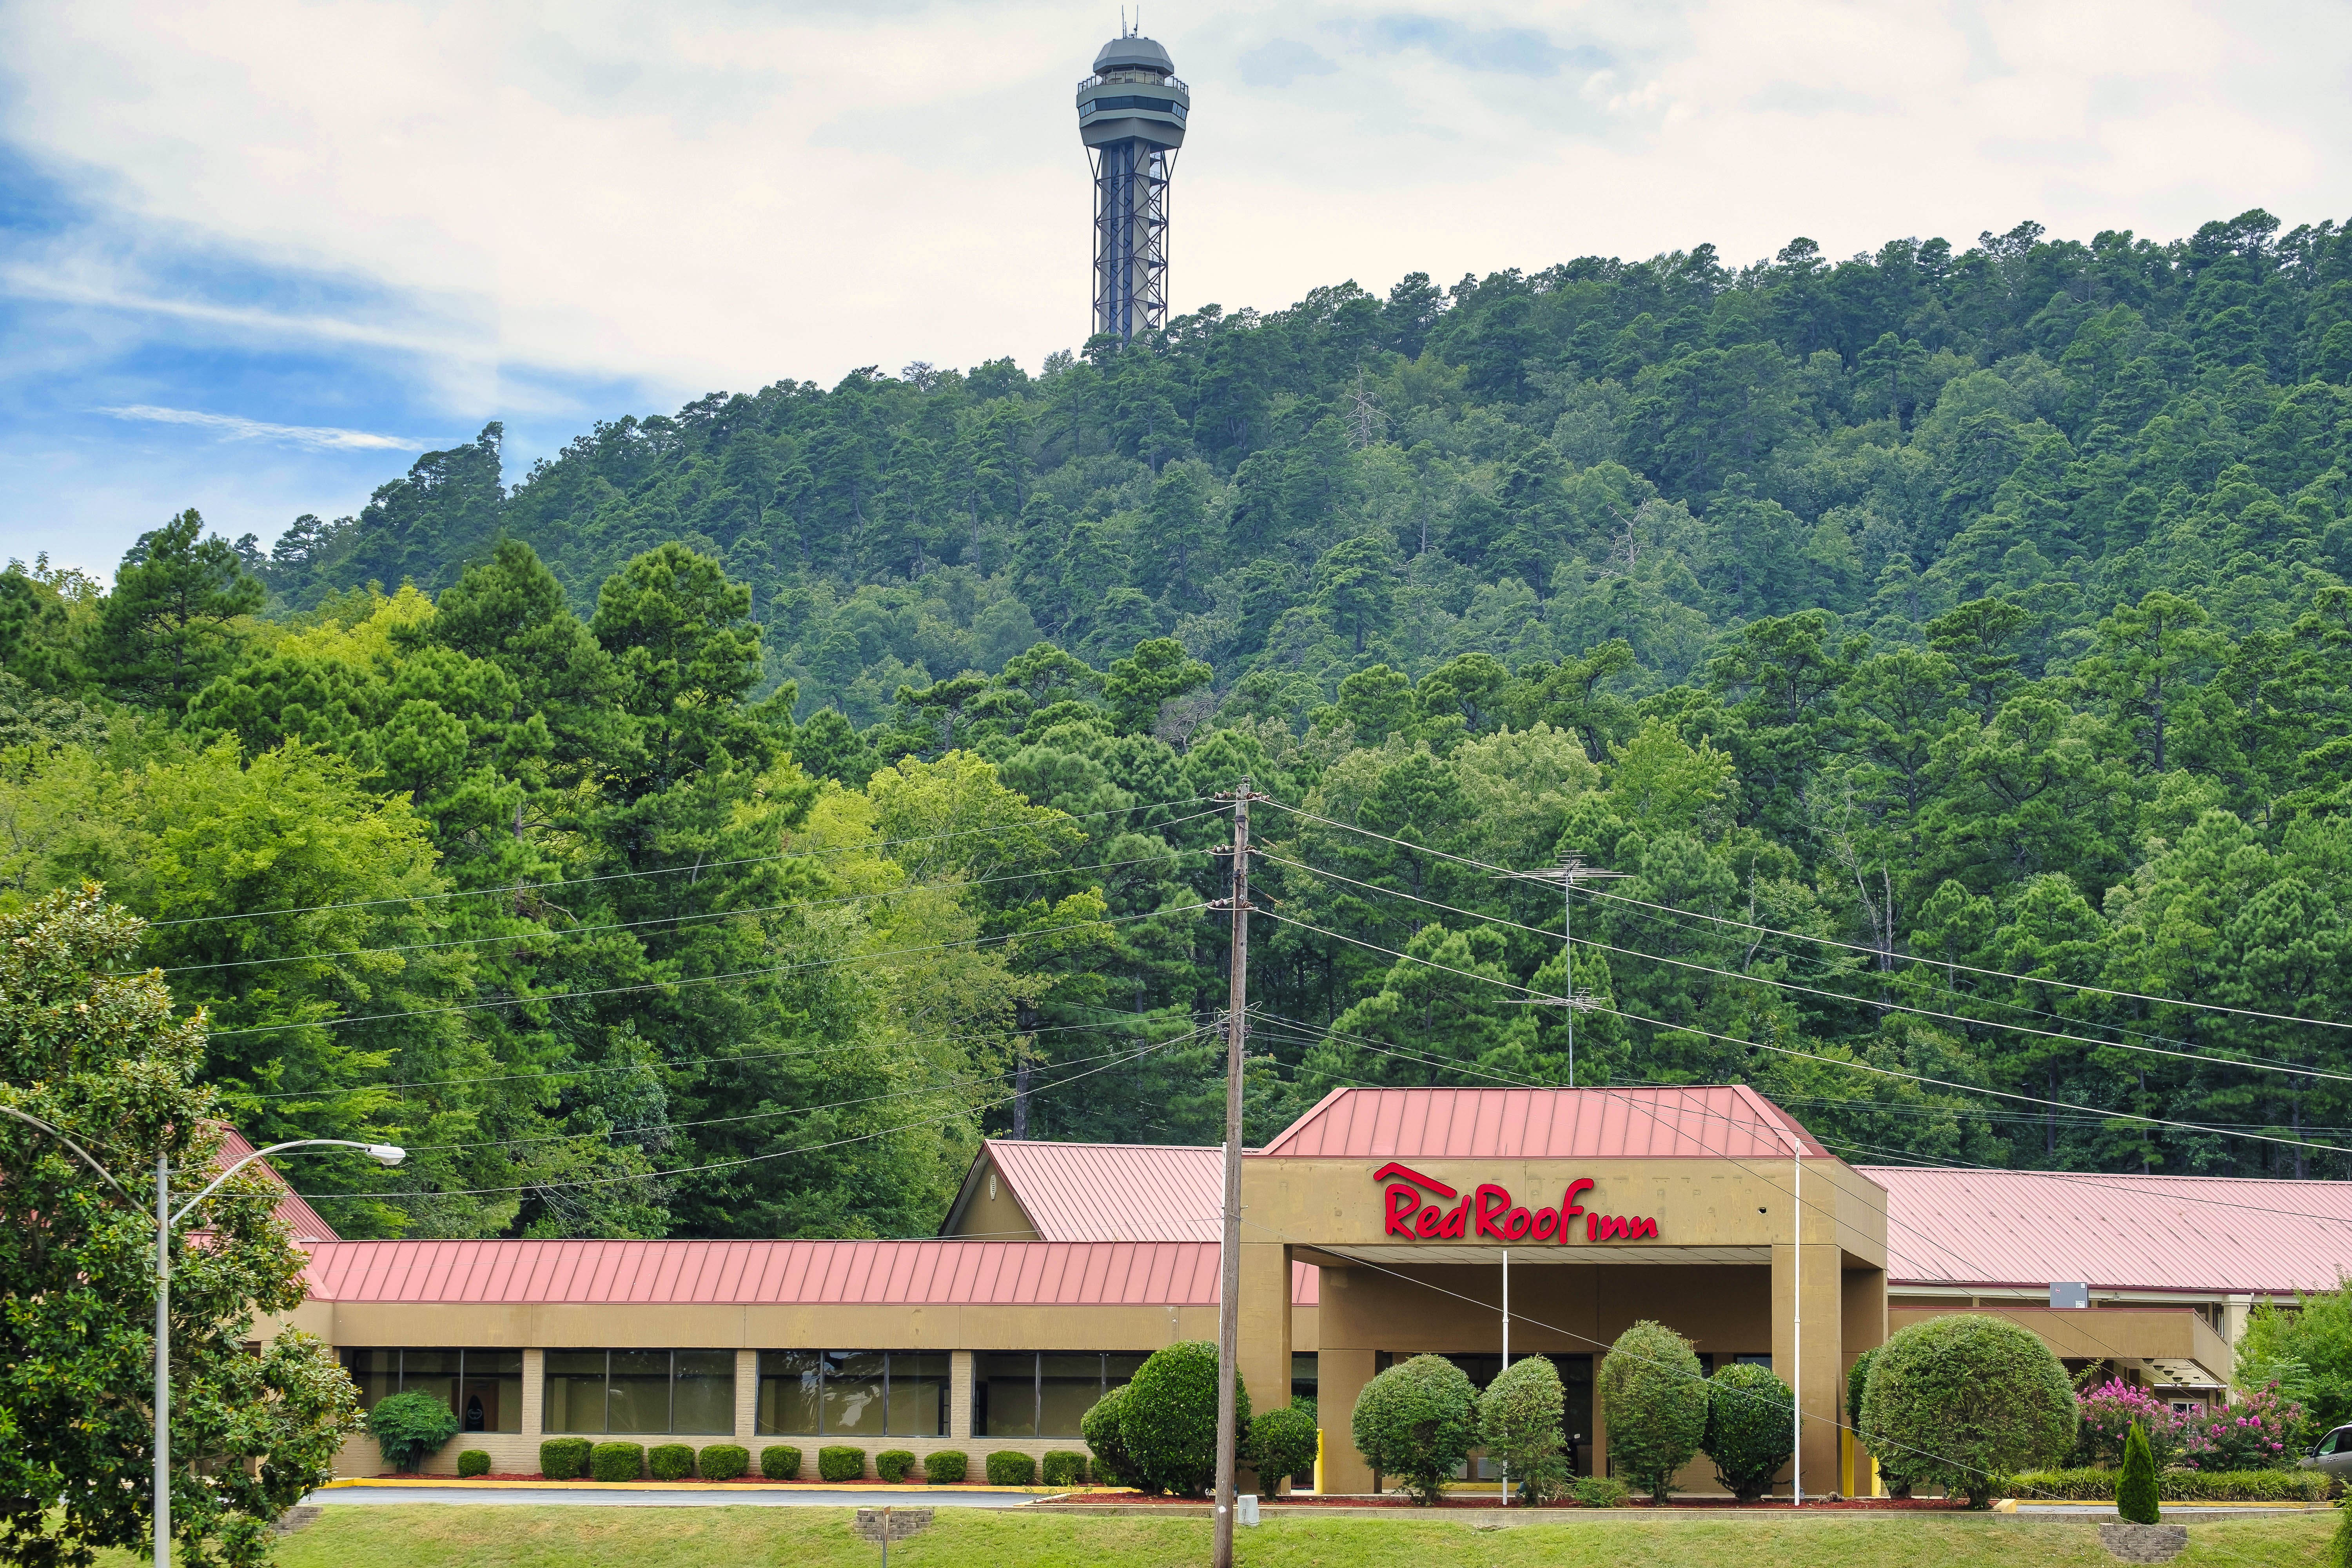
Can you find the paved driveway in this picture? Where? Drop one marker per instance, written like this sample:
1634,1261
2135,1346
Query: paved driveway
667,1497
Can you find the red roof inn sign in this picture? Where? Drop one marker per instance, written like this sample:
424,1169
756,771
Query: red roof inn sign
1488,1214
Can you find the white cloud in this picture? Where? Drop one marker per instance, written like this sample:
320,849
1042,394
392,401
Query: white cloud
325,437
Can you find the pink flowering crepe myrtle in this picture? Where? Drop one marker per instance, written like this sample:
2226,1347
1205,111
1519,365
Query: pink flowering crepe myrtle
2250,1435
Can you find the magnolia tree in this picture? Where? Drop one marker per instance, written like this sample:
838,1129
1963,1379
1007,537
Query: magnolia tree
97,1053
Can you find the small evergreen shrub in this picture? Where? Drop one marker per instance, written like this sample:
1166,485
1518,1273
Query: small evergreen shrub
1167,1421
839,1462
780,1463
1417,1421
2136,1491
892,1464
473,1462
1063,1469
407,1427
1281,1444
564,1458
1519,1425
1599,1491
1011,1468
723,1462
617,1461
670,1461
1655,1399
1966,1400
946,1467
1100,1427
1750,1413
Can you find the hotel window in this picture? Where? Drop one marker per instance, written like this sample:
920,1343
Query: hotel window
631,1393
1043,1394
853,1393
484,1388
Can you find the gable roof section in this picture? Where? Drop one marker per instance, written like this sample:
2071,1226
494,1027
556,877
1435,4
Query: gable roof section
749,1273
297,1215
1116,1192
1703,1122
2194,1234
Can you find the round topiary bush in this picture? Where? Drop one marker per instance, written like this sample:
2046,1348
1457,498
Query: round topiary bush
1063,1468
723,1462
1654,1397
1750,1413
617,1461
1965,1399
564,1458
1519,1423
1416,1422
780,1463
670,1461
407,1427
1100,1427
839,1462
1281,1444
473,1462
946,1467
1011,1468
1169,1419
892,1464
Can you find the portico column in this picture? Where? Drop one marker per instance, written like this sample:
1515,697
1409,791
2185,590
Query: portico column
1266,1324
1822,1362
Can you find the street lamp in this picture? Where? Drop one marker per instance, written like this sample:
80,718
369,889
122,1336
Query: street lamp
165,1223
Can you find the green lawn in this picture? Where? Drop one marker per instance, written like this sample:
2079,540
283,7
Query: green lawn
426,1536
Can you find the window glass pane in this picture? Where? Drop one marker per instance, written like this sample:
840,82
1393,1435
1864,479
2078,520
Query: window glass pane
788,1393
573,1391
1119,1368
1070,1384
853,1393
1304,1378
637,1392
1754,1358
919,1395
490,1397
377,1372
1012,1383
704,1399
430,1372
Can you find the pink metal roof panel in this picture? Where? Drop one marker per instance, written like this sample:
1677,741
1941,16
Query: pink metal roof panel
299,1217
2199,1234
1122,1191
1699,1121
980,1273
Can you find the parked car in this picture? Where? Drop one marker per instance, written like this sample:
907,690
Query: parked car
2332,1454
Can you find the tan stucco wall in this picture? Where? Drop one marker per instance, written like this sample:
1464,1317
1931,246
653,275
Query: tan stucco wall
994,1216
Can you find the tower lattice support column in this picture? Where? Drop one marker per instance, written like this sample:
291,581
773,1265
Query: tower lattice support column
1131,236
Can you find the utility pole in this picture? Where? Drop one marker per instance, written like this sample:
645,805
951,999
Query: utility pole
1229,1257
1570,870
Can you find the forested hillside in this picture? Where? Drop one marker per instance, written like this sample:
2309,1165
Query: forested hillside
716,829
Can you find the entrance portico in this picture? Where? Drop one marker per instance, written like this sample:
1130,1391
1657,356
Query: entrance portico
1613,1205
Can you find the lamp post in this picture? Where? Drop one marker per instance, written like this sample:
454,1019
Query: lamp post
165,1223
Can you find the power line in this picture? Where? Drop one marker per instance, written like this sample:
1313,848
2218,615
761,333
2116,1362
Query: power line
1907,958
702,979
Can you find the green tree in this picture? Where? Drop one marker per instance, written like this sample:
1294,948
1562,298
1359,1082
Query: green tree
1520,1417
170,625
1654,1399
1967,1399
1750,1428
1417,1421
2135,1495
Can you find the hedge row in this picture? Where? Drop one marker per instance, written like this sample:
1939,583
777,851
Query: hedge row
2173,1485
569,1458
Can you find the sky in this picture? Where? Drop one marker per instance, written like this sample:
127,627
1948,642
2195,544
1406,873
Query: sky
257,255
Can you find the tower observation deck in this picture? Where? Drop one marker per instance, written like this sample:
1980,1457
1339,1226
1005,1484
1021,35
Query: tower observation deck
1131,114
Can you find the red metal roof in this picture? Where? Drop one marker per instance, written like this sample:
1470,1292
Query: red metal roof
979,1273
1116,1192
2029,1228
1702,1122
298,1216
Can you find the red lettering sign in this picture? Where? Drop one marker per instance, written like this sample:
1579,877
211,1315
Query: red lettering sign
1488,1214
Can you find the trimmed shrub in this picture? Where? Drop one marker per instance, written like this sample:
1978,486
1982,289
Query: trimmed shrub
1416,1422
2339,1544
1654,1400
407,1427
839,1462
1100,1427
723,1461
1168,1422
1599,1491
2136,1490
780,1463
473,1462
564,1458
2172,1486
1011,1468
1281,1444
1519,1423
670,1461
617,1461
1891,1472
1966,1399
1749,1416
946,1467
1063,1469
892,1464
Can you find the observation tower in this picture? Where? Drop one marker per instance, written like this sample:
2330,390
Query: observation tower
1131,114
